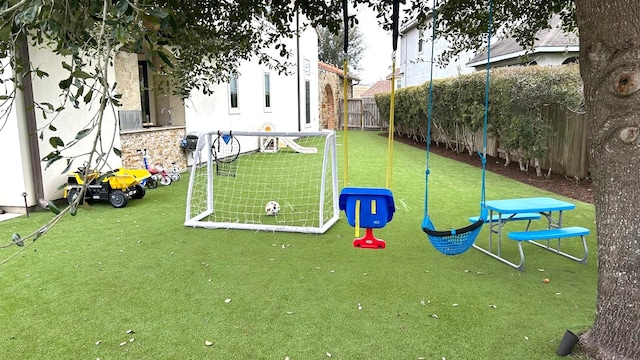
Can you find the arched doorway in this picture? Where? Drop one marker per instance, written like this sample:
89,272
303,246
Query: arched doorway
328,109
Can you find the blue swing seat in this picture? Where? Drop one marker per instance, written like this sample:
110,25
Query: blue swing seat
376,206
452,242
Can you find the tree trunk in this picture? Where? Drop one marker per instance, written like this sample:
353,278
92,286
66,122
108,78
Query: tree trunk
536,163
610,69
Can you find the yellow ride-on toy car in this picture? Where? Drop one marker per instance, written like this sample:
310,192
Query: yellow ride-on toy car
117,186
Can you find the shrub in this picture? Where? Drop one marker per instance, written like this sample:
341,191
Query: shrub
517,96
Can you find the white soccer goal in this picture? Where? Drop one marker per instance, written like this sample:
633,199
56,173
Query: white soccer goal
232,180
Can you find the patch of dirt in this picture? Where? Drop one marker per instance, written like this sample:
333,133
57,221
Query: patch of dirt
559,184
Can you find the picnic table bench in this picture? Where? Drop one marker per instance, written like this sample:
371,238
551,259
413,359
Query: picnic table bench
504,211
533,237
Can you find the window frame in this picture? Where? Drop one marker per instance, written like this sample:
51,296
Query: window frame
307,95
266,88
234,78
307,67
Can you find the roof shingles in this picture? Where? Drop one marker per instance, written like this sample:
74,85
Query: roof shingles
547,38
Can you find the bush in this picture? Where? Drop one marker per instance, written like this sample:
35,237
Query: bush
517,96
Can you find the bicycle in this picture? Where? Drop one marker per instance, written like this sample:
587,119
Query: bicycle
160,173
150,182
175,172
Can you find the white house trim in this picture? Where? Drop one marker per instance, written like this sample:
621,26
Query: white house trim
538,50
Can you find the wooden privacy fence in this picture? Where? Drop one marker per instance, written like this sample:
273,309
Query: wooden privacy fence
363,114
567,145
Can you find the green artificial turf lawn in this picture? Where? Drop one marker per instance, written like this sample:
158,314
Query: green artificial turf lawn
76,292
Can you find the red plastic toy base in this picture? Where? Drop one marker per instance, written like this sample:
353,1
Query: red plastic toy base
368,241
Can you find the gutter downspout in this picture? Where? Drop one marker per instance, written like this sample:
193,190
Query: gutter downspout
30,114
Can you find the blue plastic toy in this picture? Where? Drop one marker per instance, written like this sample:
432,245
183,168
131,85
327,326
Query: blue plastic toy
369,208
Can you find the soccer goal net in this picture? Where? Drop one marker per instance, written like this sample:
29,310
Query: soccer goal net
237,176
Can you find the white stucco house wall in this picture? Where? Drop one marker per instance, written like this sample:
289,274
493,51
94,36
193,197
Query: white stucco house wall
293,99
21,147
415,57
261,95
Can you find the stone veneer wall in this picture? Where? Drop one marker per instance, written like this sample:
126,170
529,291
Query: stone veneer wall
328,107
162,144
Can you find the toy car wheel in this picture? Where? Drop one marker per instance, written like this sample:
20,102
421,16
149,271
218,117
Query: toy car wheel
151,183
140,192
72,195
175,177
118,199
165,180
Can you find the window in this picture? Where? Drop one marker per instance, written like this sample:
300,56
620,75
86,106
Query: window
233,92
307,67
267,91
420,40
398,83
143,75
307,93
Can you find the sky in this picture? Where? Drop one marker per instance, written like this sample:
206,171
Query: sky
376,62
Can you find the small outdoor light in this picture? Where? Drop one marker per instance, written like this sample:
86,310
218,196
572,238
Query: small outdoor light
26,208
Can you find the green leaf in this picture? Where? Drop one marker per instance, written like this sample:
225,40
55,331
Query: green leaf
5,33
67,66
65,84
80,92
121,34
80,74
65,52
82,133
52,128
56,141
117,151
41,74
51,161
51,155
68,168
165,59
4,97
158,13
122,7
54,209
87,98
29,15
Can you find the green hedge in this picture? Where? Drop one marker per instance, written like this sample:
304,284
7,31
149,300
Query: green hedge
517,97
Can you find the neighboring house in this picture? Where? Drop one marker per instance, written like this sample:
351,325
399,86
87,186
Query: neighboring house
147,120
415,57
381,87
358,90
553,46
384,86
396,76
331,88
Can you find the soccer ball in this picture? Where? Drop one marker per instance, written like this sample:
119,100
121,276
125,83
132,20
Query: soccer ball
272,208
